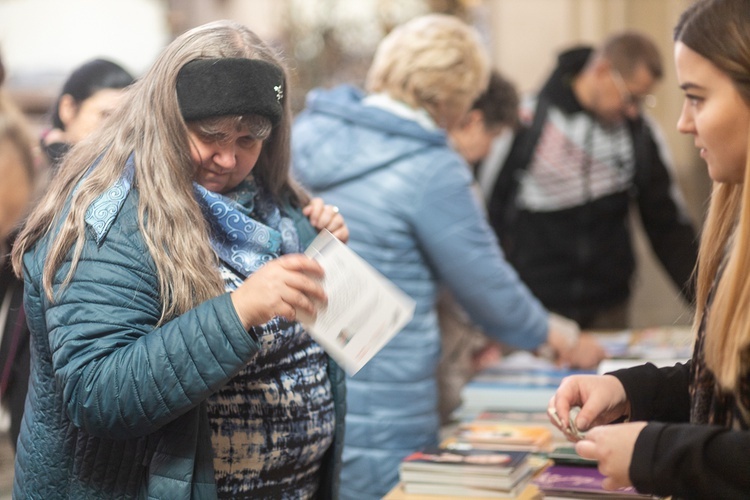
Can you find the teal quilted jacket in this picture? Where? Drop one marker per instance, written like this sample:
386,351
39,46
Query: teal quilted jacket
115,404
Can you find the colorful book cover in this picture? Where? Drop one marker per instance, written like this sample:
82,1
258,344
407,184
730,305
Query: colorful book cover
586,481
538,418
490,432
469,461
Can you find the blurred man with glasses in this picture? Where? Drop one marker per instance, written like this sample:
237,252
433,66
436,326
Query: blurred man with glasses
559,199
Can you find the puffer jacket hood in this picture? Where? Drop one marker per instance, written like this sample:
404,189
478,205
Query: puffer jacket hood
379,138
412,213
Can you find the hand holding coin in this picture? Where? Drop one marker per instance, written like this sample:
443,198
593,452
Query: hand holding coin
571,430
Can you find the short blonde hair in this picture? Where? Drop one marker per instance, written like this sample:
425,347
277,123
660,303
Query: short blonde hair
436,62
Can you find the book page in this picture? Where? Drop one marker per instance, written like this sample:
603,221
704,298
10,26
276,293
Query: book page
364,309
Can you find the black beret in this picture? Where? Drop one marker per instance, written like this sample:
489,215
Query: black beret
207,88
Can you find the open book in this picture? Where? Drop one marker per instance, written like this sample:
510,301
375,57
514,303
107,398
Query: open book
364,309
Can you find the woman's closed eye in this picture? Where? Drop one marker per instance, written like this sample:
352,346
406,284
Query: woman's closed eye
248,141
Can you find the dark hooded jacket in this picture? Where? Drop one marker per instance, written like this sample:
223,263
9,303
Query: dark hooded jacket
563,216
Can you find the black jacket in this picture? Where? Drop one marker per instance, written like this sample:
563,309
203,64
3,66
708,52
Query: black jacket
579,260
674,457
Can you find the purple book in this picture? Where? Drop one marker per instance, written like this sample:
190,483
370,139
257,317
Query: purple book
567,479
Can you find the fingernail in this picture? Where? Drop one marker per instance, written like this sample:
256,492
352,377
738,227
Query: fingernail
582,424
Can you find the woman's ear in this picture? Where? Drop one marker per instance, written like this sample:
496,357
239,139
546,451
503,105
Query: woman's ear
473,118
469,122
67,109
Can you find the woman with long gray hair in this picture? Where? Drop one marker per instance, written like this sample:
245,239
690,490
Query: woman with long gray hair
163,277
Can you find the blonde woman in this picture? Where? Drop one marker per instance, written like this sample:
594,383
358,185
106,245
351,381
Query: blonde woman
688,432
163,276
384,159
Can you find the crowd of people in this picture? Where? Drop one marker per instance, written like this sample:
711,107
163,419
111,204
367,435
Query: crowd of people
154,276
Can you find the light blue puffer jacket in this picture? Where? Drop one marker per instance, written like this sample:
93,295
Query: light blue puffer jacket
115,405
407,199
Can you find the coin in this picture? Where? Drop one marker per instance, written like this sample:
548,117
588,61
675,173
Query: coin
552,412
572,423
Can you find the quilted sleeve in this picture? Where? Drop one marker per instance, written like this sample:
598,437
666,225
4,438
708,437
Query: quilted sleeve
463,249
120,375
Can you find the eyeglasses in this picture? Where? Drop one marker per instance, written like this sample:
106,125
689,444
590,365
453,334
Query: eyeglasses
630,99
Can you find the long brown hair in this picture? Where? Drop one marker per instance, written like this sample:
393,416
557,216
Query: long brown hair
16,166
149,125
719,30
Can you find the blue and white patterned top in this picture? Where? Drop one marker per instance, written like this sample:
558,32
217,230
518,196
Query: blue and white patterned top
274,421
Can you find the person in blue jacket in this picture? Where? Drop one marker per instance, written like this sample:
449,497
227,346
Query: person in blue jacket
163,274
384,159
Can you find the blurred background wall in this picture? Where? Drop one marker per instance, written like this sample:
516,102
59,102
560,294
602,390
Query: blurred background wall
331,41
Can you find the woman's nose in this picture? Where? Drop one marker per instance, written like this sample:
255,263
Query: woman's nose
685,121
225,157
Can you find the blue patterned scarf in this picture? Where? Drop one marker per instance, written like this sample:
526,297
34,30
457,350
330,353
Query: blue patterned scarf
248,227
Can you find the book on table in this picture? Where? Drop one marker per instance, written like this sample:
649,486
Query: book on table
495,434
660,345
460,491
565,454
536,460
520,418
527,492
465,461
520,381
581,482
489,470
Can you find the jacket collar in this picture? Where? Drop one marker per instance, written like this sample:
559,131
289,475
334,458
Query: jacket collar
103,210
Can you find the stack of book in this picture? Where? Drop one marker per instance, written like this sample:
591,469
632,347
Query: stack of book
519,381
466,473
522,381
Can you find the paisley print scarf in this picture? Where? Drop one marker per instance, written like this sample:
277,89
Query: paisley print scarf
248,228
